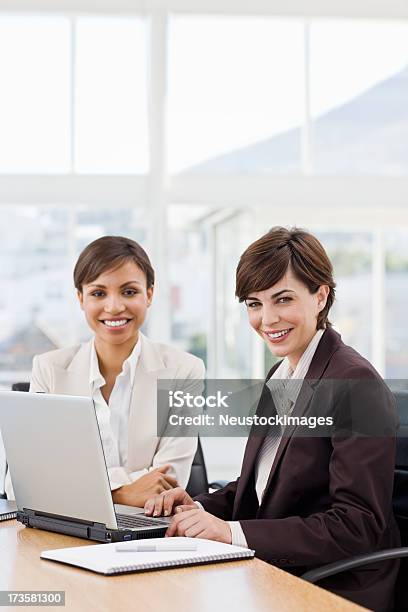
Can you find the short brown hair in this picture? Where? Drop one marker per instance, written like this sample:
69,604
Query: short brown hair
108,253
266,260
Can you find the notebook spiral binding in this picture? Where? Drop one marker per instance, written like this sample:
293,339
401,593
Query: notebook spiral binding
7,516
179,562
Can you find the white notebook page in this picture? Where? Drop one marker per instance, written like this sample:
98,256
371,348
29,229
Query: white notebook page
103,558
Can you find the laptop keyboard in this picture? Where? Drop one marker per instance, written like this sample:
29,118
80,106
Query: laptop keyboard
125,521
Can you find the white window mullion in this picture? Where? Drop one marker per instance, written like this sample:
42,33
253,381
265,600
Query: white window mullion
378,325
306,132
257,344
72,94
159,320
70,289
212,329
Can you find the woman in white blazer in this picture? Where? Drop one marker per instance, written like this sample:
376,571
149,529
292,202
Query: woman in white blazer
119,368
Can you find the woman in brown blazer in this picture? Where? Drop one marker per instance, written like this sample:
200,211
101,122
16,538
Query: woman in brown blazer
302,501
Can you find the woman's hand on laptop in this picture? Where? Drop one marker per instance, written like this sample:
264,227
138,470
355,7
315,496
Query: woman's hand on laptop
168,501
138,492
197,523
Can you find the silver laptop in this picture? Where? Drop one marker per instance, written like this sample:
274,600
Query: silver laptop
57,465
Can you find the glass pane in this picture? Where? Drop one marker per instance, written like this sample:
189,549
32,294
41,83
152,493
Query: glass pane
111,96
351,314
35,94
189,273
359,97
35,276
396,291
233,331
235,99
94,222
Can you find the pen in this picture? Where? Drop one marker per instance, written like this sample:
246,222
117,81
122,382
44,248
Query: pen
168,547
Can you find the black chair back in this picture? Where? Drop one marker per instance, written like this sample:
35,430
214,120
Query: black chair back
20,386
400,495
198,482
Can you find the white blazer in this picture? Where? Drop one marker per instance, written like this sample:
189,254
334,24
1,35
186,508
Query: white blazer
66,371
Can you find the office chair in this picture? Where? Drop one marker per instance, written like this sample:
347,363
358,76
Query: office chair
400,505
198,482
20,386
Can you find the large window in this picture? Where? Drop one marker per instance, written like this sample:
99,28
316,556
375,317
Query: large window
110,96
351,255
35,98
74,95
194,133
359,96
235,85
190,278
272,95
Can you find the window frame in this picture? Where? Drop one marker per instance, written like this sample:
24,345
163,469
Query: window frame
377,201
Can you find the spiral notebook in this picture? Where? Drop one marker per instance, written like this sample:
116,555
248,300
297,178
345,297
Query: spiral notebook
104,559
8,510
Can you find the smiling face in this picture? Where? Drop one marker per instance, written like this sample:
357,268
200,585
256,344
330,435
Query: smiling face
115,304
285,315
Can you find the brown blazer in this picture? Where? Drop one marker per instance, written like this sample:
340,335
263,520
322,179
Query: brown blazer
327,498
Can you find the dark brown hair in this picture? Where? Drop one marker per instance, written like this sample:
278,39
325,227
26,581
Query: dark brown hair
108,253
266,260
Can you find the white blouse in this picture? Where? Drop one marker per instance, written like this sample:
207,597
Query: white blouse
113,419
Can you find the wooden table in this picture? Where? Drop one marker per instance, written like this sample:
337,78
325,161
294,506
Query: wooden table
252,585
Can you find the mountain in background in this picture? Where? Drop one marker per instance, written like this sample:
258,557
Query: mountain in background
367,135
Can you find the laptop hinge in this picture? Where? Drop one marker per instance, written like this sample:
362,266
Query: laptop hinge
62,524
